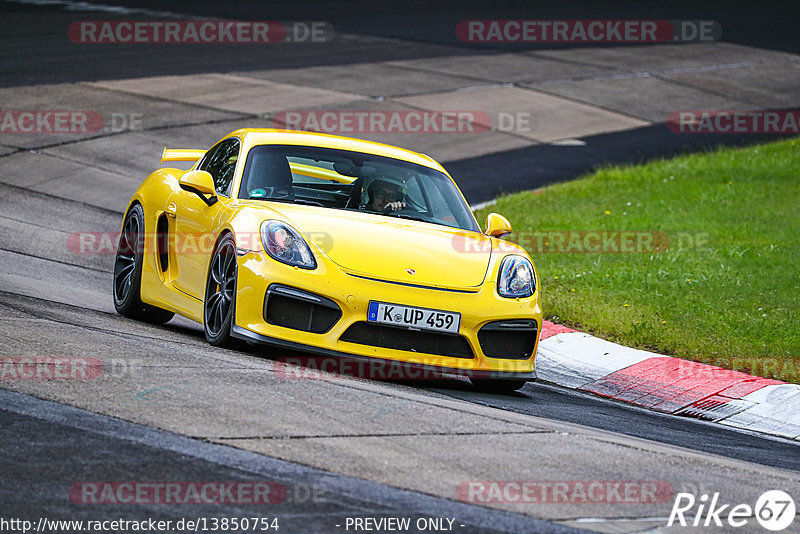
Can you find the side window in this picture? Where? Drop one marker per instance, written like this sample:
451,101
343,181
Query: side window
220,162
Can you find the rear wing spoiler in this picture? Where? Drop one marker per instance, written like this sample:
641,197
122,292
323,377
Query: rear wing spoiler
181,154
319,172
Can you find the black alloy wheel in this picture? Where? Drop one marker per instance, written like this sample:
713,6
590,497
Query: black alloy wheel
219,304
128,272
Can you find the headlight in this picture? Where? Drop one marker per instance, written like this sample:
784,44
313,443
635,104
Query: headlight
515,278
284,244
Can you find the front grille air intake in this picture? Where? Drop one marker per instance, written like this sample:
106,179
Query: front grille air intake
513,339
389,337
294,308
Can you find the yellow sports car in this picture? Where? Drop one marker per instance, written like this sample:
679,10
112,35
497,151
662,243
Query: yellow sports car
333,246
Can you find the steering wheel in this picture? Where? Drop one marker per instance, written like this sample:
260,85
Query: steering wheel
406,213
388,209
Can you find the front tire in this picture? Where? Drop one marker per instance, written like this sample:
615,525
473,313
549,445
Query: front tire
128,272
220,299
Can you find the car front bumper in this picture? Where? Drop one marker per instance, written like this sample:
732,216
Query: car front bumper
351,294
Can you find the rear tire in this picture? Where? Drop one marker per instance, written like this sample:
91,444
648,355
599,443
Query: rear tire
495,385
219,305
128,272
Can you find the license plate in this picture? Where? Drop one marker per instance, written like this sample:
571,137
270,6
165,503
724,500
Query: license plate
413,317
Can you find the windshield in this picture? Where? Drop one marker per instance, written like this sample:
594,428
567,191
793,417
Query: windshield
340,179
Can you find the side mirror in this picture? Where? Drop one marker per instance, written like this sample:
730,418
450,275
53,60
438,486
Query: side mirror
497,225
200,183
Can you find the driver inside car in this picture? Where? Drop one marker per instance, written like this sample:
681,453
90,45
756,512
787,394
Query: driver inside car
385,194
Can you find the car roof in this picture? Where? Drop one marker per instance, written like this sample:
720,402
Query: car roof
270,136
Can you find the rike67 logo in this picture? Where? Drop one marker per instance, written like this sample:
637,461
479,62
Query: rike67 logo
774,510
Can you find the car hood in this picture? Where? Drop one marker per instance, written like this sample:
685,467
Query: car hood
394,249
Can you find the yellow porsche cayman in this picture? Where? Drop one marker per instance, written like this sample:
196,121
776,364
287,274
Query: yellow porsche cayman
333,246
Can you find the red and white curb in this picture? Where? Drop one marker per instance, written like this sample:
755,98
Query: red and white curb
666,384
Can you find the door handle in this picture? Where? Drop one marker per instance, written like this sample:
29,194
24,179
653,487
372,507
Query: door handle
171,209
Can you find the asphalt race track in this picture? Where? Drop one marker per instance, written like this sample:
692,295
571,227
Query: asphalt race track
161,406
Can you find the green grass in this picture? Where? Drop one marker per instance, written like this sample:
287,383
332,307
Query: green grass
726,290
